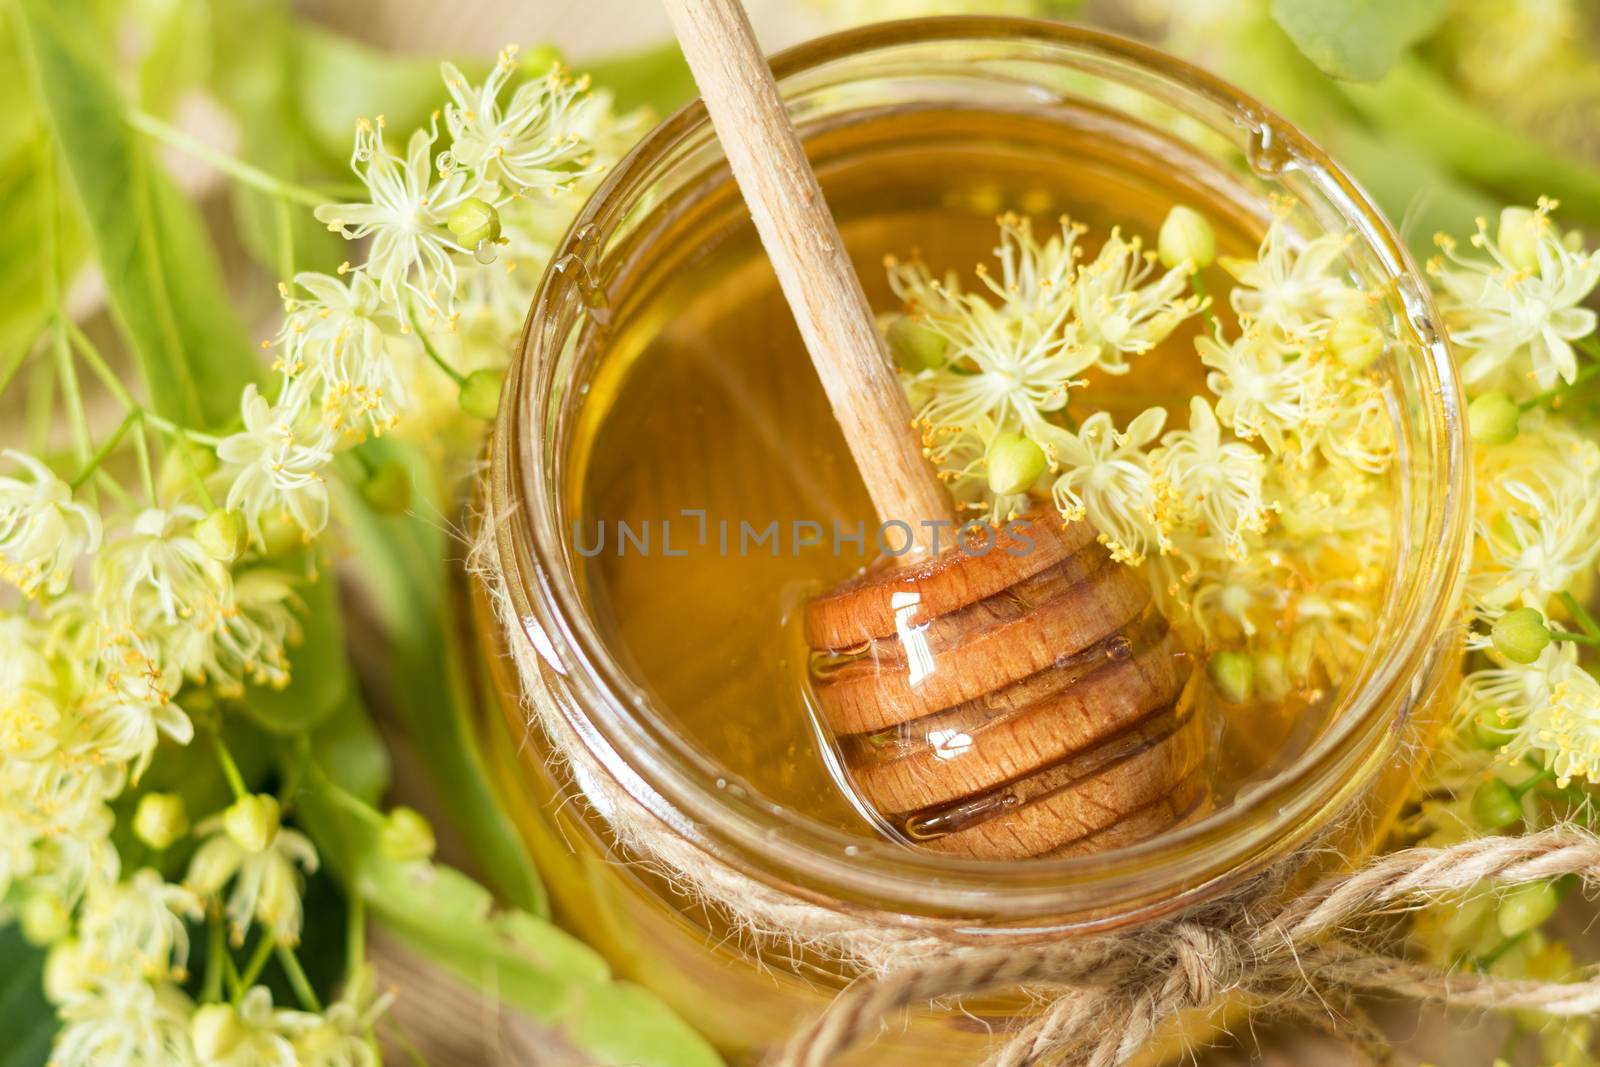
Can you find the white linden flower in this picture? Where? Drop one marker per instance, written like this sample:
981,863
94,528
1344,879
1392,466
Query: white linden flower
1263,391
1332,624
125,715
1289,288
1205,482
277,460
1537,515
1034,278
337,336
341,1036
251,640
262,1035
1237,600
126,1024
139,925
962,458
1106,479
1517,313
267,886
1359,433
1004,369
43,532
157,572
532,143
1118,313
1564,726
412,248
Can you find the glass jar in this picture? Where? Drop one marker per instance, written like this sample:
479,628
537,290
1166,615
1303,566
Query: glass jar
857,98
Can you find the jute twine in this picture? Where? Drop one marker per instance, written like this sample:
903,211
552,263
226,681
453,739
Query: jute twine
1100,1000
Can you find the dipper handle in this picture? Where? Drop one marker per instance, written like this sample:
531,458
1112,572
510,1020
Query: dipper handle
813,269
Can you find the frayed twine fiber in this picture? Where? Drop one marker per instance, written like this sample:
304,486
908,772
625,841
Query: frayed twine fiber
1101,999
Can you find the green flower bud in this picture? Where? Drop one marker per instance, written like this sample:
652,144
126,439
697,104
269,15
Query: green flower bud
1233,674
183,463
406,836
252,821
1186,237
1490,735
480,394
1518,237
540,60
216,1031
1015,463
1526,906
1271,676
161,819
1521,635
223,535
280,535
916,346
1355,342
473,222
1495,806
44,920
388,489
1493,419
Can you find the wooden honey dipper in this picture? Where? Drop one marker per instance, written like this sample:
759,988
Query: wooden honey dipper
1022,701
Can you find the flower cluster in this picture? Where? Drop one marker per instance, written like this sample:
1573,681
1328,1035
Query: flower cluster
1263,521
142,619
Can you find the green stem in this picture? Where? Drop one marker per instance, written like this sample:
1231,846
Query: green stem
1520,791
258,962
92,463
297,979
1577,639
216,949
355,944
72,395
236,169
427,346
230,971
284,224
230,769
1198,284
141,447
1581,615
102,370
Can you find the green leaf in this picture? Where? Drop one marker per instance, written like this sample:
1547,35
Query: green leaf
525,962
657,78
338,80
1358,40
29,1022
404,567
1417,108
161,273
319,672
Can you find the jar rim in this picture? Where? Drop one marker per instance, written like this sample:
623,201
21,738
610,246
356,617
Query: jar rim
678,784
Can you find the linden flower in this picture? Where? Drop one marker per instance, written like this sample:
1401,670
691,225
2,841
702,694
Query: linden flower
139,924
341,1036
1332,627
1034,277
1118,313
337,335
251,640
1518,312
1202,481
131,707
1537,515
1289,287
157,572
1263,391
1106,479
253,1035
126,1024
1237,600
1003,369
962,458
28,718
1564,728
411,253
532,142
267,886
277,460
43,533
